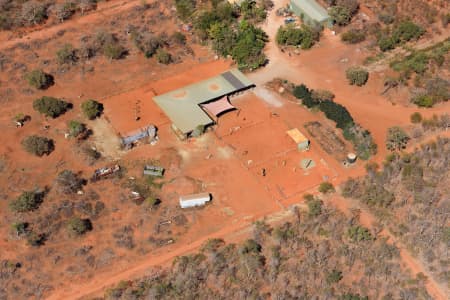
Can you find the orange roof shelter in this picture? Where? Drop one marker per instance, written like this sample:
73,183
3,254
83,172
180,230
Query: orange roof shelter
298,137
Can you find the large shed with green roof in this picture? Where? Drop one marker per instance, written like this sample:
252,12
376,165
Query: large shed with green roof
311,12
187,107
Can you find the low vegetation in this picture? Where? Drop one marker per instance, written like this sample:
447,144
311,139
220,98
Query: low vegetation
353,36
396,139
76,128
362,140
77,226
410,197
68,182
342,11
313,256
400,33
38,145
50,106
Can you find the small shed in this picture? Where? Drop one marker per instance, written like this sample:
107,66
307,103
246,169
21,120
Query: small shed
311,12
298,137
194,200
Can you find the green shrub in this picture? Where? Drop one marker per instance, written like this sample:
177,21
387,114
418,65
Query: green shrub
314,207
92,109
20,228
248,48
76,128
387,43
406,31
396,139
357,76
334,277
353,36
163,56
38,145
51,107
322,95
27,201
301,91
179,38
39,79
185,8
359,233
416,118
423,100
326,187
66,55
113,50
77,226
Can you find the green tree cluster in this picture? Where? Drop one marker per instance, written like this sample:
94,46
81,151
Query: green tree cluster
359,233
402,32
291,36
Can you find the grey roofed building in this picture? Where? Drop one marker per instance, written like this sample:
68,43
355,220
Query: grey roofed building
182,106
310,11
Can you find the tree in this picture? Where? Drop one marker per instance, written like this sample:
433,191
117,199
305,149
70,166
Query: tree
51,107
357,76
340,15
92,109
163,57
38,145
247,51
77,226
68,182
416,118
326,187
39,79
76,128
396,139
66,55
337,113
27,201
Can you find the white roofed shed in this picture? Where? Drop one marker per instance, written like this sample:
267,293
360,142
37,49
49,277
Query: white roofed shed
194,200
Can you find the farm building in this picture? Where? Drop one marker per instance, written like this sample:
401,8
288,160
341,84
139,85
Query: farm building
311,12
194,200
301,141
197,105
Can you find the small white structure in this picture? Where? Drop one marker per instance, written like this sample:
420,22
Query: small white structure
194,200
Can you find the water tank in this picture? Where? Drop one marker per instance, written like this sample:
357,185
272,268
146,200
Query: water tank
351,157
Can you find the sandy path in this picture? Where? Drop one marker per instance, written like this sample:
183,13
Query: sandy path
104,10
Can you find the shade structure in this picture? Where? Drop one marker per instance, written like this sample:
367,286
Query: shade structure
218,107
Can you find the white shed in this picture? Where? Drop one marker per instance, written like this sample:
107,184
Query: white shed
194,200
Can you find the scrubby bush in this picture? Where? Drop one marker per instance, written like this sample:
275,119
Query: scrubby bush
33,13
163,57
66,55
402,32
359,233
362,141
68,182
51,107
77,226
178,38
185,8
314,207
396,139
322,95
340,15
65,10
109,45
416,118
334,276
353,36
27,201
92,109
76,128
39,79
326,187
357,76
38,145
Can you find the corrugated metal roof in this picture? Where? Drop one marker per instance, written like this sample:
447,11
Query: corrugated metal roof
182,105
313,9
